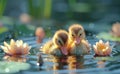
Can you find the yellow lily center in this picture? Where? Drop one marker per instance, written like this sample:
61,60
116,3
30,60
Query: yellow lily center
101,47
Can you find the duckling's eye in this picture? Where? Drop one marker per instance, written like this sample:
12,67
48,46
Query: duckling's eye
80,34
59,42
72,35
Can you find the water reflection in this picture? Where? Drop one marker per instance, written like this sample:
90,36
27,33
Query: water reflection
101,64
75,62
39,60
59,63
58,66
15,59
70,63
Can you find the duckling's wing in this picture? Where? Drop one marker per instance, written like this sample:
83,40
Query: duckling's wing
55,52
47,47
86,44
85,47
74,50
81,49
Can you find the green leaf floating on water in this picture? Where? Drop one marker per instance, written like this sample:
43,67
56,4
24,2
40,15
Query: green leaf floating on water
12,67
108,58
105,58
25,28
3,29
107,36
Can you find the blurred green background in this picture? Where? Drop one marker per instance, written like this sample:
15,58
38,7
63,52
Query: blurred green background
20,18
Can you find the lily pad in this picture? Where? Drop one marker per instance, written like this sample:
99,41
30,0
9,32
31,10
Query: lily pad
12,67
3,29
6,20
107,36
105,58
24,30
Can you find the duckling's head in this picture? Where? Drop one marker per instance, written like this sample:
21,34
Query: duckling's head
76,33
60,40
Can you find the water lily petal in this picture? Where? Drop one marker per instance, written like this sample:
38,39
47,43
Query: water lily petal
12,43
21,42
7,45
107,43
5,49
95,50
100,41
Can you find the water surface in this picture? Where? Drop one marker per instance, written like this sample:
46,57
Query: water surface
82,65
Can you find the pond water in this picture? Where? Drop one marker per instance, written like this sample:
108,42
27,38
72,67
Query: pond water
83,65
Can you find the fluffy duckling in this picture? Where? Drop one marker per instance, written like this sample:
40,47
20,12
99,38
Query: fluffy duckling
76,33
58,45
77,43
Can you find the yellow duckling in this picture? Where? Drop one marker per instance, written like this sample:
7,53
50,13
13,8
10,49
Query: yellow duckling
77,42
58,45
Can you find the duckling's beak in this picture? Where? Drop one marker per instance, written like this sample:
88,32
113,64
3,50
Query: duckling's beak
64,50
77,40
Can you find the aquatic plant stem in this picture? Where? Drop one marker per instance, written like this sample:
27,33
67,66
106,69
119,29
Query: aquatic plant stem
2,7
70,13
30,7
47,8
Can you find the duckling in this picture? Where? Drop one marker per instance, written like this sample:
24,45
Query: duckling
46,47
78,45
58,45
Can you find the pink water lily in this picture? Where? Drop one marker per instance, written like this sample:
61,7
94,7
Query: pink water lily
102,49
16,48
